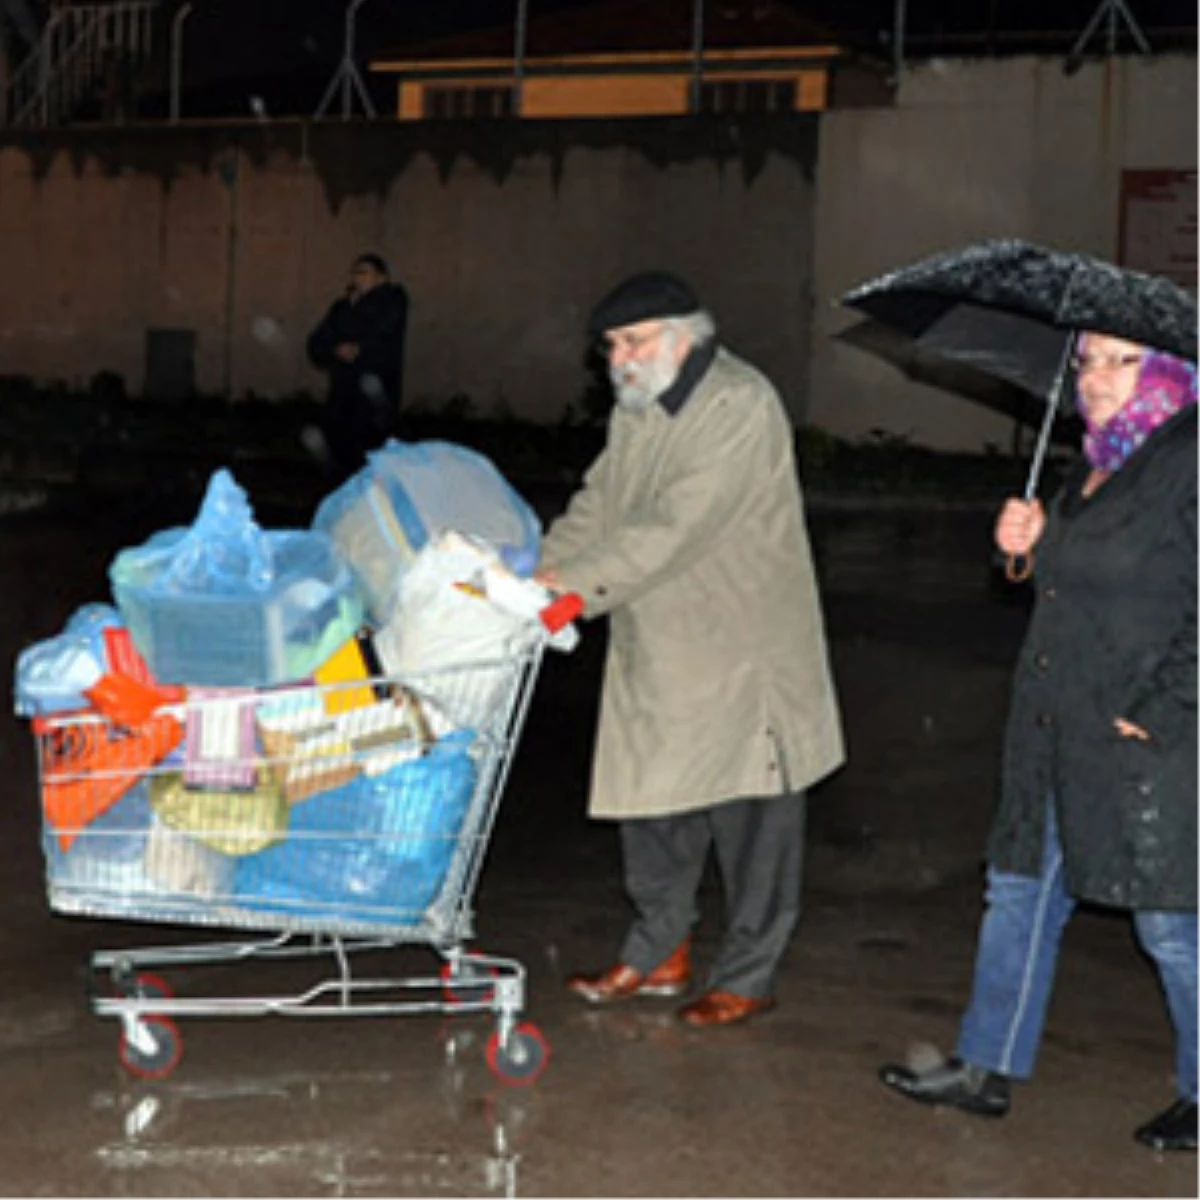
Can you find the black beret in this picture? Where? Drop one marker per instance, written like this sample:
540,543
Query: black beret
649,296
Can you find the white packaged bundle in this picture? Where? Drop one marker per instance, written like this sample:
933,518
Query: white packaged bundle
461,607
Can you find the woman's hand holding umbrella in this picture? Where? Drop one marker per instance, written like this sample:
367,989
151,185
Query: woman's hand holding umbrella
1018,529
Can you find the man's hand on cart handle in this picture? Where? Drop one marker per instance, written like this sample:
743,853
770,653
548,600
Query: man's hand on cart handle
548,578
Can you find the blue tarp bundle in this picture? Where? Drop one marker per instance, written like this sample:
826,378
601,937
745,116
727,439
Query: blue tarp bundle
378,848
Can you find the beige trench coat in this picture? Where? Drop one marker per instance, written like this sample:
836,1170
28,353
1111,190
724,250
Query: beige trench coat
689,531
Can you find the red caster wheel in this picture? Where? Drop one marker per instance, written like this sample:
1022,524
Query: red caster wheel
522,1059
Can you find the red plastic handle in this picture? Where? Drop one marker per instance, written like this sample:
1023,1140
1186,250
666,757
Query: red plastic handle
562,611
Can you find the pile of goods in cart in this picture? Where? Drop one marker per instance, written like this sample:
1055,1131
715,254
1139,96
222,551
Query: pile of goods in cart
273,726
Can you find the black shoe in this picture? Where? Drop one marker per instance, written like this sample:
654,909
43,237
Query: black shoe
1173,1129
972,1089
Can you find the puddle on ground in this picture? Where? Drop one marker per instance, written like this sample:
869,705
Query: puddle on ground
324,1134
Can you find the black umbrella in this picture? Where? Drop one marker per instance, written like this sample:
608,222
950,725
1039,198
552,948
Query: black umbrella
924,365
1011,310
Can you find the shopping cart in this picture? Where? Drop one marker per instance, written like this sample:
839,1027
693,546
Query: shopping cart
340,817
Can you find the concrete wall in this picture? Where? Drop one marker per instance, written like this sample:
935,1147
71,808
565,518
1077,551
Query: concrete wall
504,235
1002,148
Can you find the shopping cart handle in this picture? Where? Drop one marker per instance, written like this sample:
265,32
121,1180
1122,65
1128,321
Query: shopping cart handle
561,611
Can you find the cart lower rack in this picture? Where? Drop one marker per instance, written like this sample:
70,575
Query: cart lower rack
333,820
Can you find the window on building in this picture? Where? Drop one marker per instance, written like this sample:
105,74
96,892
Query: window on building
456,102
747,95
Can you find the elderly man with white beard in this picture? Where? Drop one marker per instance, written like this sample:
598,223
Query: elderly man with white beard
718,709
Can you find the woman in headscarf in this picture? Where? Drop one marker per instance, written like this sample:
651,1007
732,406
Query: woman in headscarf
1099,792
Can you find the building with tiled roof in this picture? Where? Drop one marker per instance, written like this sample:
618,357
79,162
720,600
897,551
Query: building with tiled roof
622,58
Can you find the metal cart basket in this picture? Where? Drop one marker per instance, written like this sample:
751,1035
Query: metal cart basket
338,818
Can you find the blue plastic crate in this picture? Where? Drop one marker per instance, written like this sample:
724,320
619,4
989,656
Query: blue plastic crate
210,640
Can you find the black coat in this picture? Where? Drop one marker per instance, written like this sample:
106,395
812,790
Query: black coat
1113,634
364,396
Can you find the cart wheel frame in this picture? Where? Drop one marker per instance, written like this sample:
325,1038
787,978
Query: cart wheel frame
168,1049
144,986
524,1058
472,970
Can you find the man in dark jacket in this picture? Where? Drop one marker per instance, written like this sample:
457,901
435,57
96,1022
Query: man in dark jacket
360,342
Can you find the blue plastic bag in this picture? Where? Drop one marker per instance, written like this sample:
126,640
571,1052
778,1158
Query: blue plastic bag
408,495
377,849
51,676
222,553
224,603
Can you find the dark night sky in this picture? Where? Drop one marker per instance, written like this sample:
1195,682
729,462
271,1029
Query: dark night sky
288,50
424,17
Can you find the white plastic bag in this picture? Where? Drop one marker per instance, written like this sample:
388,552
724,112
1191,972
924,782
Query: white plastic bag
459,606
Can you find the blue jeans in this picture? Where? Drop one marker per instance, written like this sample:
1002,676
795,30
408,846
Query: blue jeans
1017,955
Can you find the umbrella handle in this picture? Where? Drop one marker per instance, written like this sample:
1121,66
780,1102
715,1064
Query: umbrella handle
1018,567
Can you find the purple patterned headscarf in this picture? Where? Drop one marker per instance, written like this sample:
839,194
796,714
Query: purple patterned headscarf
1165,385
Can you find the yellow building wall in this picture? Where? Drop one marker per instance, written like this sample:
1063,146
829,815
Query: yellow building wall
411,103
633,95
606,96
812,91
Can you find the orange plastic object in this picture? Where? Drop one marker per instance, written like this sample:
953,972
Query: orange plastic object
562,611
87,767
123,656
126,701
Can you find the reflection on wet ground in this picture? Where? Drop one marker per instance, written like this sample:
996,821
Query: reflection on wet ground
178,1129
632,1103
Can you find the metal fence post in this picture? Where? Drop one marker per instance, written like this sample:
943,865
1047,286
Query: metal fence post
177,24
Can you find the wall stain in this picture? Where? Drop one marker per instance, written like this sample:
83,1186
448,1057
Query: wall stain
361,158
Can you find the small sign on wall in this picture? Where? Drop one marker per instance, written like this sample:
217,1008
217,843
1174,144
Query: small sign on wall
1158,224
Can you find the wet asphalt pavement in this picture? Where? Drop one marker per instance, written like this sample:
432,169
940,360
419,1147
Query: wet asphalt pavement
632,1103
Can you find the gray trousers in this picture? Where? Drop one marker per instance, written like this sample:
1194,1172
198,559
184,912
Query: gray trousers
759,845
